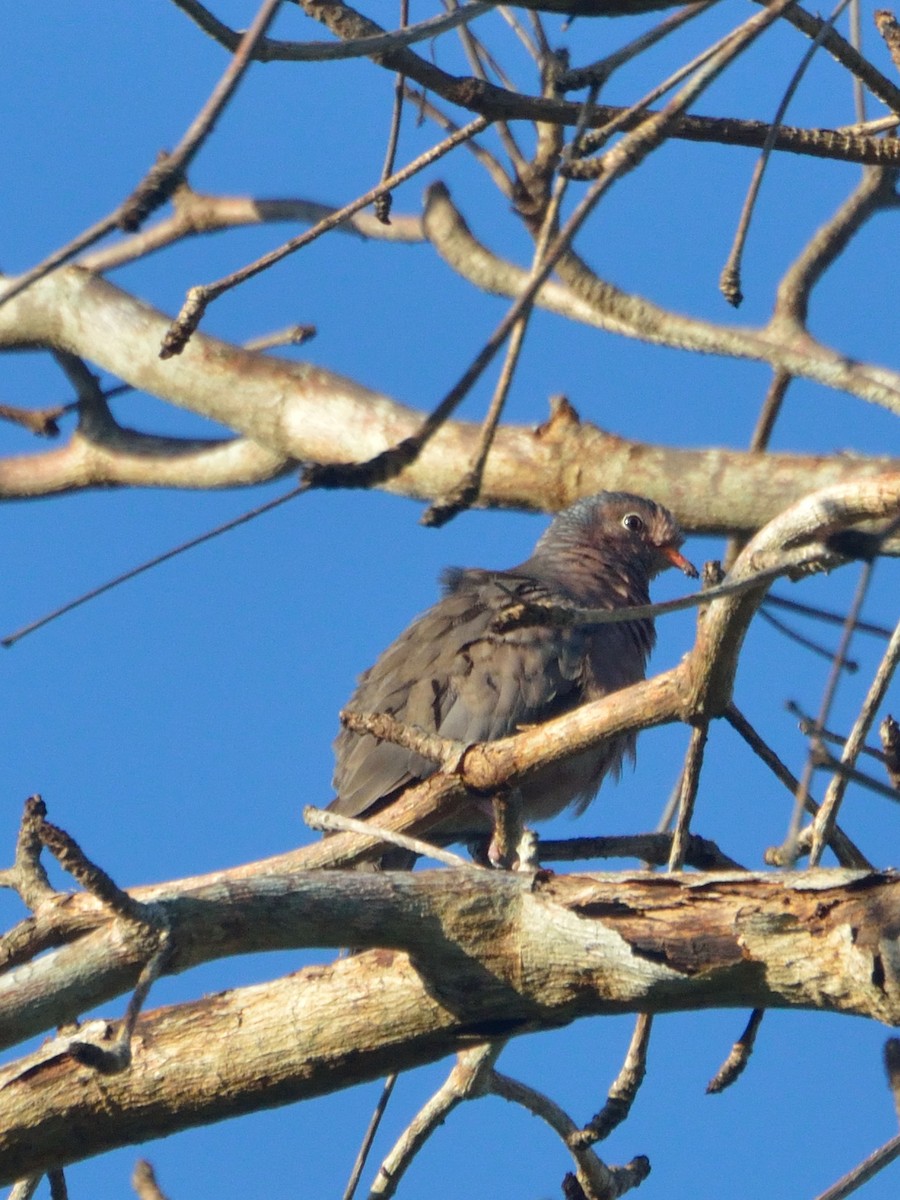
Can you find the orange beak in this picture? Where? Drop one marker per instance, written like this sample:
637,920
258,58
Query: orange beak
677,559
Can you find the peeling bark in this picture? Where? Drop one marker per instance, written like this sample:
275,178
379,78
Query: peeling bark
461,957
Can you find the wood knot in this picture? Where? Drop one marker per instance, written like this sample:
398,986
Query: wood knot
562,420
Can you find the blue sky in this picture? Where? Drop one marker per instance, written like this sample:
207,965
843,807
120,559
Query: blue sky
179,724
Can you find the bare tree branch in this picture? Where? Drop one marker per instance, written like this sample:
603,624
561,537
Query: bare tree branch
714,939
293,412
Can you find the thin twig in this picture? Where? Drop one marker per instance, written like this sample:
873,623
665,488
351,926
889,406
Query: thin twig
92,878
42,422
200,297
808,728
161,180
738,1057
770,410
847,854
595,1176
566,615
369,1136
467,1079
331,822
466,491
540,34
620,119
443,752
600,71
293,335
157,187
624,1088
887,25
24,1189
866,1170
834,675
827,762
889,732
195,214
859,91
476,52
118,1056
875,193
879,125
28,876
143,1180
690,781
827,615
480,57
892,1070
624,157
730,279
535,51
834,795
769,413
651,848
57,1180
847,55
489,161
849,665
667,816
24,630
384,201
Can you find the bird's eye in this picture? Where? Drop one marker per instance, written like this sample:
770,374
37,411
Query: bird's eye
633,522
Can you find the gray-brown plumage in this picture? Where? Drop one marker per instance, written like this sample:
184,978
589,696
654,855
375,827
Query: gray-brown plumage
452,673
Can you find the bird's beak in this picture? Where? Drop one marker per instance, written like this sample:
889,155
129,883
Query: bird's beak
677,559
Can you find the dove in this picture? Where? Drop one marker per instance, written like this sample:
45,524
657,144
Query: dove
459,672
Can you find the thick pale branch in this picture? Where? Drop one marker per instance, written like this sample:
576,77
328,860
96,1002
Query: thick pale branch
876,191
446,960
196,213
490,953
132,459
594,301
808,531
56,986
295,411
799,540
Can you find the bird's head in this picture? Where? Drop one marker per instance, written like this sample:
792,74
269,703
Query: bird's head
630,529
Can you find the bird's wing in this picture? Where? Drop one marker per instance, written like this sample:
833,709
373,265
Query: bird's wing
453,674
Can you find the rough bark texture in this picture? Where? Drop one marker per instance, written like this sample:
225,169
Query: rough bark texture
289,412
470,956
